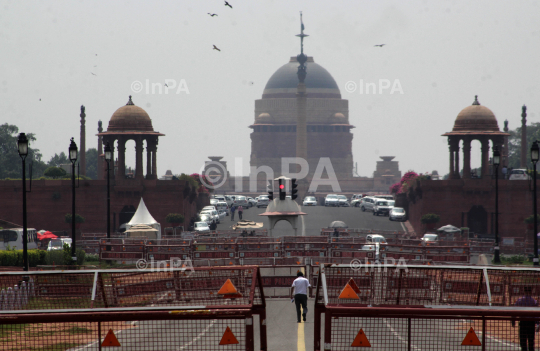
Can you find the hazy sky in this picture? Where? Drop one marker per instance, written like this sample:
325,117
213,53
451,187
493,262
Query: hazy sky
442,52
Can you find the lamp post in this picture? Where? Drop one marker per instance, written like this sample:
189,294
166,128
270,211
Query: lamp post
73,158
108,157
496,163
22,146
534,159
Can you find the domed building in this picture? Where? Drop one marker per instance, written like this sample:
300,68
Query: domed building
131,122
475,122
328,129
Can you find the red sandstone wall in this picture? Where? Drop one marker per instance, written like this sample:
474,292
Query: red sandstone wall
449,198
46,212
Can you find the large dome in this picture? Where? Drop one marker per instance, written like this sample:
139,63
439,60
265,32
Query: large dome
319,82
476,118
130,118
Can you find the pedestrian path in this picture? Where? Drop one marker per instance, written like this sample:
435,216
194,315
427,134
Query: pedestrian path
284,333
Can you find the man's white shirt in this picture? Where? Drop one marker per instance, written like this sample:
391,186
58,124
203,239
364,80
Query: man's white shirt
300,285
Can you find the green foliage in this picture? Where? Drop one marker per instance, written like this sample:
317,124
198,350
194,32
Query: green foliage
514,144
174,218
9,155
430,218
530,219
515,259
54,172
78,218
63,257
14,258
91,163
58,160
191,180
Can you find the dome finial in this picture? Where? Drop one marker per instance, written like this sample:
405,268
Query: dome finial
302,58
130,102
476,100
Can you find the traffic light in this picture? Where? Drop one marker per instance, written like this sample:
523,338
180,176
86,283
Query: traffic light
294,191
282,193
270,190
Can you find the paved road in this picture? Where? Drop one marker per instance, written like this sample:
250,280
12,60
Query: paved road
319,217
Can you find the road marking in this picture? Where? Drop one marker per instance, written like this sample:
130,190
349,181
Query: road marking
403,226
301,343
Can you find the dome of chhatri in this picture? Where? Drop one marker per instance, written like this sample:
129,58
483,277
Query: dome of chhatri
476,118
130,118
284,82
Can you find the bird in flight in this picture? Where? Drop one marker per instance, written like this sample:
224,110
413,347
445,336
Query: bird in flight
166,85
212,14
216,48
94,74
380,45
227,4
39,99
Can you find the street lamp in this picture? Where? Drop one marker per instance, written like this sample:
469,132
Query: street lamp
534,159
73,158
108,157
22,146
496,163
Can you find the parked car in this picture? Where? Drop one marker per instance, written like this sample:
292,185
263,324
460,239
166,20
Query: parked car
228,200
331,200
251,202
220,198
211,208
213,201
367,203
386,197
343,201
310,201
355,200
381,207
397,214
240,200
58,244
222,214
222,206
201,227
376,238
209,219
213,213
430,239
263,201
519,174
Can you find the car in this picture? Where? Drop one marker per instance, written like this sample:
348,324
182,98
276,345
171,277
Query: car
331,200
376,238
397,214
240,200
310,201
381,207
58,244
228,200
207,218
386,197
263,201
251,202
211,208
201,227
367,203
222,214
213,213
222,206
430,239
213,201
343,201
355,200
519,174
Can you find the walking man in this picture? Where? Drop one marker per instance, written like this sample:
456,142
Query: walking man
526,328
240,211
300,286
232,212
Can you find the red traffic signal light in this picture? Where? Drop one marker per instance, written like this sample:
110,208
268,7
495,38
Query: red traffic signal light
281,186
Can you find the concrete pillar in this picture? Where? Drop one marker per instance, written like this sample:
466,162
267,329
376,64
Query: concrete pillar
485,158
451,174
139,159
523,159
121,174
82,149
100,152
456,167
466,159
154,163
148,161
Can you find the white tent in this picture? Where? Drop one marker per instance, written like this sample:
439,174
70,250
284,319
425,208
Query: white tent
142,216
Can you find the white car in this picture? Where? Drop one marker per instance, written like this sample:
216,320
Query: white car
58,244
367,203
376,238
331,200
209,208
310,201
397,214
222,206
251,202
207,218
228,200
355,200
213,201
212,213
519,174
222,214
382,207
430,239
240,200
263,201
201,227
343,201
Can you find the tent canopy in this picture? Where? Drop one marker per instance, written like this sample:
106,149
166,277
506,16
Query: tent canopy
449,229
245,224
338,224
143,216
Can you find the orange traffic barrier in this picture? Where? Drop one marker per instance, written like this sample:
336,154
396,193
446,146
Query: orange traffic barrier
361,340
471,339
348,293
228,338
228,290
110,340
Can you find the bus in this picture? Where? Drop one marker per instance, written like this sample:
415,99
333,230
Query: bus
13,239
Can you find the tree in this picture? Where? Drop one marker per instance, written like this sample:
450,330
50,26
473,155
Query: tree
514,144
91,163
54,172
9,155
58,160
